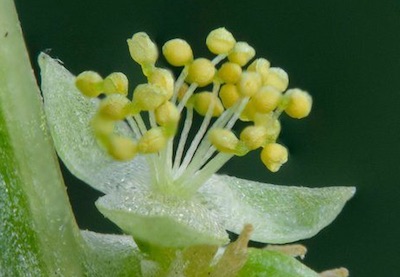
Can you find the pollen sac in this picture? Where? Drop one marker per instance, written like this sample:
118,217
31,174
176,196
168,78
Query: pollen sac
167,115
242,53
201,71
89,83
261,66
142,49
102,127
204,100
224,140
220,41
249,112
254,136
229,72
271,123
114,107
163,78
177,52
122,148
299,103
274,156
148,97
278,78
152,141
266,99
229,95
116,82
249,84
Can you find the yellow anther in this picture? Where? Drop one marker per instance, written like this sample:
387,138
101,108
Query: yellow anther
116,82
220,41
249,83
248,112
114,107
152,141
224,140
229,72
203,100
122,148
299,103
102,128
241,53
148,97
270,122
261,66
254,136
163,78
229,95
182,91
274,156
266,99
277,78
167,115
201,71
177,52
89,83
142,49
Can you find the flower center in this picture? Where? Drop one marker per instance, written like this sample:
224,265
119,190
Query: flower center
221,90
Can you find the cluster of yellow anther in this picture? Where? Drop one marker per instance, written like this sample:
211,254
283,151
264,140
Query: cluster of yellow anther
227,88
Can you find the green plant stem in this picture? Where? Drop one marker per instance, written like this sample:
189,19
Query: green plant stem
30,177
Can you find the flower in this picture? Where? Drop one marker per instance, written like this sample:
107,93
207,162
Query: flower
159,188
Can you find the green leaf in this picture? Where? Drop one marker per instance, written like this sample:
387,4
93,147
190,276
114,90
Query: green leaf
69,114
279,214
163,220
38,233
262,262
111,255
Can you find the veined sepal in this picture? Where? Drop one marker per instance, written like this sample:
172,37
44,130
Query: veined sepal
163,220
279,214
69,116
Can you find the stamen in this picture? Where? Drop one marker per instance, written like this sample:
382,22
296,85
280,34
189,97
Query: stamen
197,139
183,139
253,95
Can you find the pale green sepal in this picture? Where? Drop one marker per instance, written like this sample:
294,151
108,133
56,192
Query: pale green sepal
111,255
69,114
279,214
273,264
163,220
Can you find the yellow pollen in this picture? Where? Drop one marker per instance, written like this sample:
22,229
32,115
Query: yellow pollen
89,83
116,82
201,72
220,41
177,52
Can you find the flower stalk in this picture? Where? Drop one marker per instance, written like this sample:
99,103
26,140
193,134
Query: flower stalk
38,233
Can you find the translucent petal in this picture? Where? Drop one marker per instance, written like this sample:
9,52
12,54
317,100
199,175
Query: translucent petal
279,214
162,219
111,255
274,264
69,113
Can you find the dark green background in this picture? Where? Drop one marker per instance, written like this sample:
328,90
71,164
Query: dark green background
346,53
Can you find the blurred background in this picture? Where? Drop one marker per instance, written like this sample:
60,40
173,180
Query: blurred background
346,53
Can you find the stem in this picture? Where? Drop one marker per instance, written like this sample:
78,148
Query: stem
29,172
